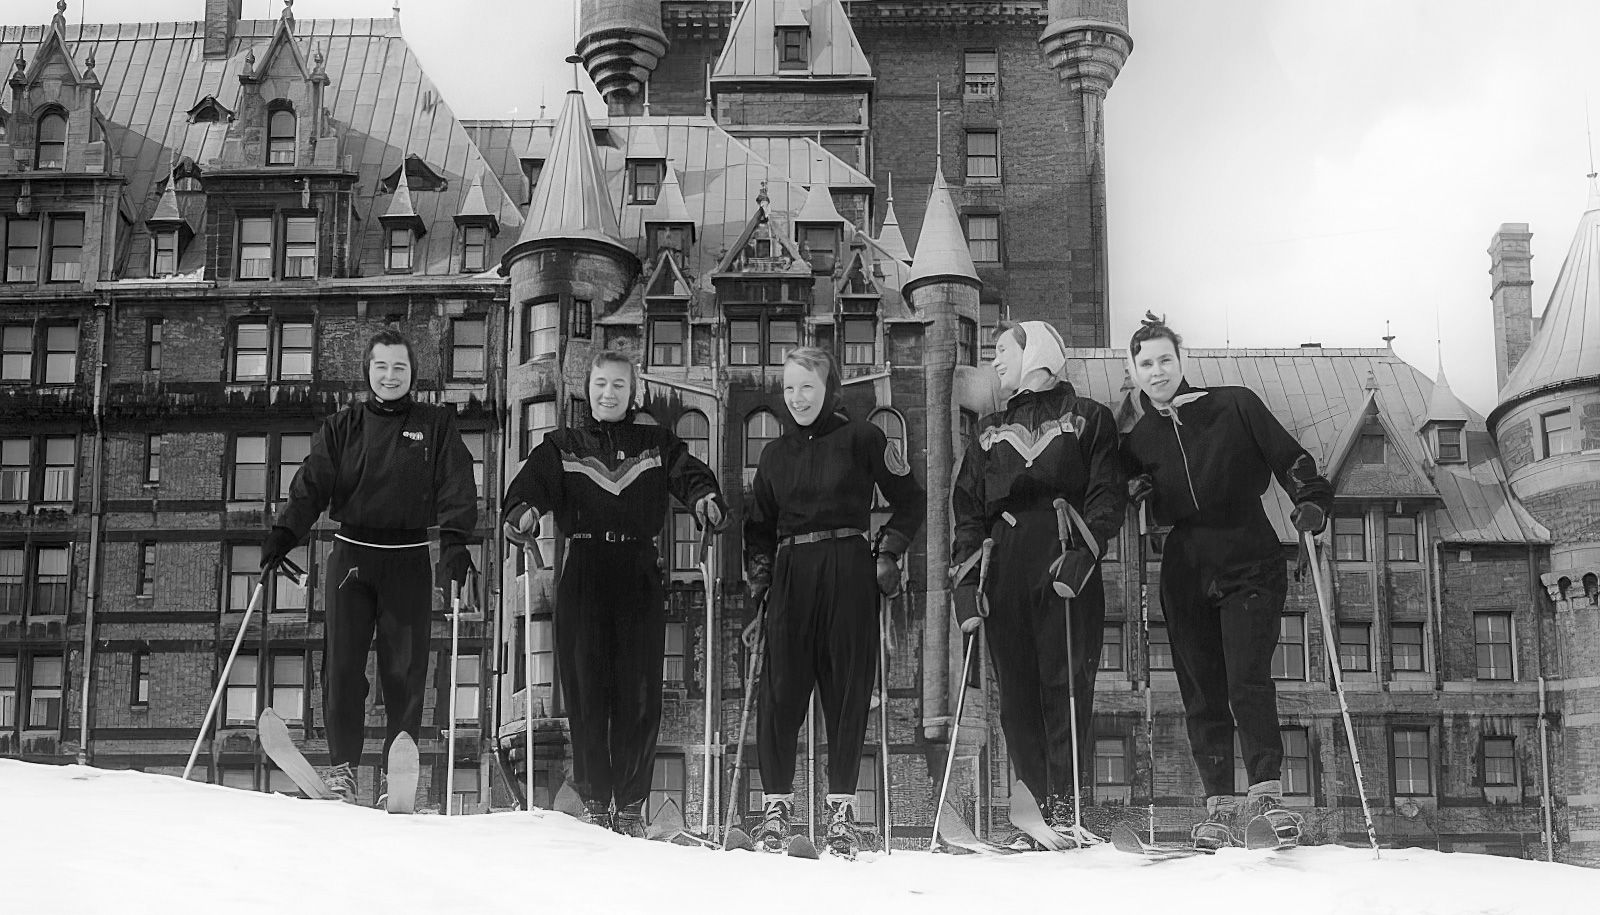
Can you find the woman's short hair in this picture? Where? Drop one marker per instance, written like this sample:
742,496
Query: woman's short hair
611,356
1153,328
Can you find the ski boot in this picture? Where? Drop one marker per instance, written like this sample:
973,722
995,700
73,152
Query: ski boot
773,832
598,813
1222,815
341,780
1058,814
629,820
1270,824
844,839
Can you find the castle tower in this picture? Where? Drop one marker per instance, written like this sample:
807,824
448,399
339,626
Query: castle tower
621,42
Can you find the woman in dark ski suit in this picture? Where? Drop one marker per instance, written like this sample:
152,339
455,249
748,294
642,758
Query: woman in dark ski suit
805,537
1204,457
607,480
1047,443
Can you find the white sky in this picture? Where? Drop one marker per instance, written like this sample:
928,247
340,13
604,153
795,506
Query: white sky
1280,171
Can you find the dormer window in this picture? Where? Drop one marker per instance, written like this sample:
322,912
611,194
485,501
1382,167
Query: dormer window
474,249
645,178
280,136
1447,445
822,248
164,253
397,254
794,48
51,150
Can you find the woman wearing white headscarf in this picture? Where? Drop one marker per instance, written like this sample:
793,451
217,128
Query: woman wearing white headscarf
1046,443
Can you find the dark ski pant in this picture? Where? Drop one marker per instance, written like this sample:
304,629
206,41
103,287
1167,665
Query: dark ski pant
1027,629
387,593
1223,625
822,632
610,628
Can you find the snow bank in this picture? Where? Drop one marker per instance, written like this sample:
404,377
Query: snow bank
77,840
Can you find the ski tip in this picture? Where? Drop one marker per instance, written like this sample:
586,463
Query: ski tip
801,847
738,840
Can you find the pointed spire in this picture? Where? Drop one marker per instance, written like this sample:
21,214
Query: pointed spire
475,210
669,205
818,206
571,201
942,252
167,207
890,239
643,145
1443,405
400,204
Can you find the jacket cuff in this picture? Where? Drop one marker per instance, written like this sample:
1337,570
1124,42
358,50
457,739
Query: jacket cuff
448,539
894,543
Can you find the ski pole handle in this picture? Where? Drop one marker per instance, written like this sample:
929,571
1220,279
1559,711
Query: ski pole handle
1063,524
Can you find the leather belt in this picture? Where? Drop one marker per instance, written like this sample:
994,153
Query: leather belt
838,533
607,536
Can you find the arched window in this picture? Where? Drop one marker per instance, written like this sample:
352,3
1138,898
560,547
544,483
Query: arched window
280,137
52,145
760,428
695,430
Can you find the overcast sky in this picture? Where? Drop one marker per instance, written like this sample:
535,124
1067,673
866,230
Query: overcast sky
1280,171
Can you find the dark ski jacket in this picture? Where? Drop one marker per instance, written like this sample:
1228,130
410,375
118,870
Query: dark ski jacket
820,477
610,477
1211,457
387,472
1043,446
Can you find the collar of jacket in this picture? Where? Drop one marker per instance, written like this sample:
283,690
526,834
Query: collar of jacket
830,420
398,407
1186,395
1062,389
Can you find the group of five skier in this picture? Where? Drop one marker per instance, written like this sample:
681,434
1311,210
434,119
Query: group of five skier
1201,458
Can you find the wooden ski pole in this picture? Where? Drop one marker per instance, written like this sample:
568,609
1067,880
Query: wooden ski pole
450,738
533,562
256,597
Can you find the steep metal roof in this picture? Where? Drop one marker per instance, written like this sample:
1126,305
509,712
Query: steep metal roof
1318,394
1567,343
152,73
889,239
942,251
752,51
572,201
669,205
819,206
1443,405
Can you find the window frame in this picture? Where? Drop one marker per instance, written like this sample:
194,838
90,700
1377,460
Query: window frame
1113,635
1457,452
793,47
667,768
31,697
981,256
642,192
458,349
1153,653
1119,760
255,246
1342,541
16,270
398,241
1508,645
1510,756
163,243
980,83
139,679
1565,433
51,115
144,582
282,149
699,445
474,249
292,251
987,161
19,344
57,222
541,321
1411,731
49,359
154,331
1348,662
854,349
1302,655
659,350
1395,627
750,466
1409,544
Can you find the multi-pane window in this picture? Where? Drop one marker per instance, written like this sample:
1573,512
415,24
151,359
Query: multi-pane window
9,688
744,342
1492,638
1110,761
983,155
1400,538
695,430
14,470
22,250
794,48
1370,449
1289,656
541,328
822,248
61,354
66,249
16,352
1556,432
289,596
1499,762
580,319
1355,647
468,347
397,254
255,247
45,691
667,783
1447,444
760,428
51,146
12,580
465,788
147,568
860,341
474,249
1405,647
52,580
1412,762
966,342
981,73
288,687
60,468
280,137
239,699
469,687
1296,766
983,238
646,180
476,444
164,253
990,315
250,345
139,693
667,341
244,567
295,350
783,337
543,671
292,452
152,344
300,246
1111,646
867,789
1160,647
674,663
685,543
249,468
538,417
1350,538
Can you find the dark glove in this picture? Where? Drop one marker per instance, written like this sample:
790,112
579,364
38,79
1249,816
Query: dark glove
710,512
969,613
1309,518
1140,487
275,549
888,575
1070,573
455,567
758,591
521,523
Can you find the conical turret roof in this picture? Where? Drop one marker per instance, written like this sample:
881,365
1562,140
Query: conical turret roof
669,205
167,207
1443,405
571,201
942,252
1567,344
889,238
818,206
400,206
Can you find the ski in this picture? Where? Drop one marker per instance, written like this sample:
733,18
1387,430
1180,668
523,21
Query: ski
738,840
505,761
667,825
956,834
402,775
1026,816
280,748
1123,838
1261,835
801,847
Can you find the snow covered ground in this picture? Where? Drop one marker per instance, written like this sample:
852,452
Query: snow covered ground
76,840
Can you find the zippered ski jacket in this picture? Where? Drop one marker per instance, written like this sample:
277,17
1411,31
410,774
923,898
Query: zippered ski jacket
610,477
1211,456
1043,446
819,478
388,472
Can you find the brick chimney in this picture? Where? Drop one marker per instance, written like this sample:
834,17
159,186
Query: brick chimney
1511,269
222,16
